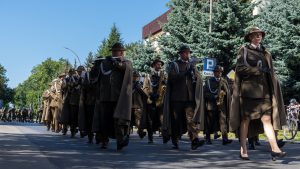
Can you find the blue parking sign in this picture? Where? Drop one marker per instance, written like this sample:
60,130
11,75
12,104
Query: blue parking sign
209,66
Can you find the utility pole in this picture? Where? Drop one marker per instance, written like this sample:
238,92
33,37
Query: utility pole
210,16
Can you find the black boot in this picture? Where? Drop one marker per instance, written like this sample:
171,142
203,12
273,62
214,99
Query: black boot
91,137
123,143
225,139
141,133
207,139
256,141
175,143
251,144
150,138
196,143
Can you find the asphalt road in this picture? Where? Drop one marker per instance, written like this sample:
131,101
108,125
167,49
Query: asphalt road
28,145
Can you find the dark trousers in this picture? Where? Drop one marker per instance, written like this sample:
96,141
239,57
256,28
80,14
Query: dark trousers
89,114
111,127
73,118
182,114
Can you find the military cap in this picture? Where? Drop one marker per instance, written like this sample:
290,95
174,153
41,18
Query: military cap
218,68
136,73
80,68
61,75
157,59
253,30
117,47
184,48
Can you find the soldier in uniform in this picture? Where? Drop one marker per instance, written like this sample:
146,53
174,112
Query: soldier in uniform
46,118
71,89
155,87
180,102
217,100
87,105
55,96
115,80
138,103
257,103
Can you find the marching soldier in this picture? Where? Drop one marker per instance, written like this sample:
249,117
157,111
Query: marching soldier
55,97
257,103
138,103
112,120
71,87
180,103
154,87
217,100
46,101
87,104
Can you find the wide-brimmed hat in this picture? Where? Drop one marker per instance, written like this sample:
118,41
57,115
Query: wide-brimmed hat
253,30
218,68
61,75
184,48
117,47
136,73
157,59
80,68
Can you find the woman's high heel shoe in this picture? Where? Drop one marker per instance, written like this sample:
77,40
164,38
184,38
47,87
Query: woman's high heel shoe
244,158
279,154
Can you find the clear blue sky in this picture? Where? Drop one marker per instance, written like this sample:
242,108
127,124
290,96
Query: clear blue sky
33,30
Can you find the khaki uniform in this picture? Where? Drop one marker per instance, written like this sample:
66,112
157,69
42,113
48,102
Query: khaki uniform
113,114
216,116
257,85
182,100
86,106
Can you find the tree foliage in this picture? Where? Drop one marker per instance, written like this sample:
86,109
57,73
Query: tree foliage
29,92
6,93
114,36
188,24
142,54
89,60
280,19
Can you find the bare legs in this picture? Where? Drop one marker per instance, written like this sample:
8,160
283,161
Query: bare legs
269,131
243,136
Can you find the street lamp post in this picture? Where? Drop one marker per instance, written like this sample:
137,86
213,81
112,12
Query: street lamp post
74,54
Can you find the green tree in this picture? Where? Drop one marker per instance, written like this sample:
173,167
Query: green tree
188,24
89,60
142,55
114,36
6,93
30,91
280,19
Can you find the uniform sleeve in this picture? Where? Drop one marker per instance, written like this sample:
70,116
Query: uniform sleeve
173,75
243,69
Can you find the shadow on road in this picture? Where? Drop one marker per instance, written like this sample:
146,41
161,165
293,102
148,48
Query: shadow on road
56,151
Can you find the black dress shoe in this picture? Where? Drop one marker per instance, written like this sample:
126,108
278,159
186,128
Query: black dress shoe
244,158
251,147
226,142
141,134
278,154
175,146
216,136
166,139
208,142
197,143
257,143
103,146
